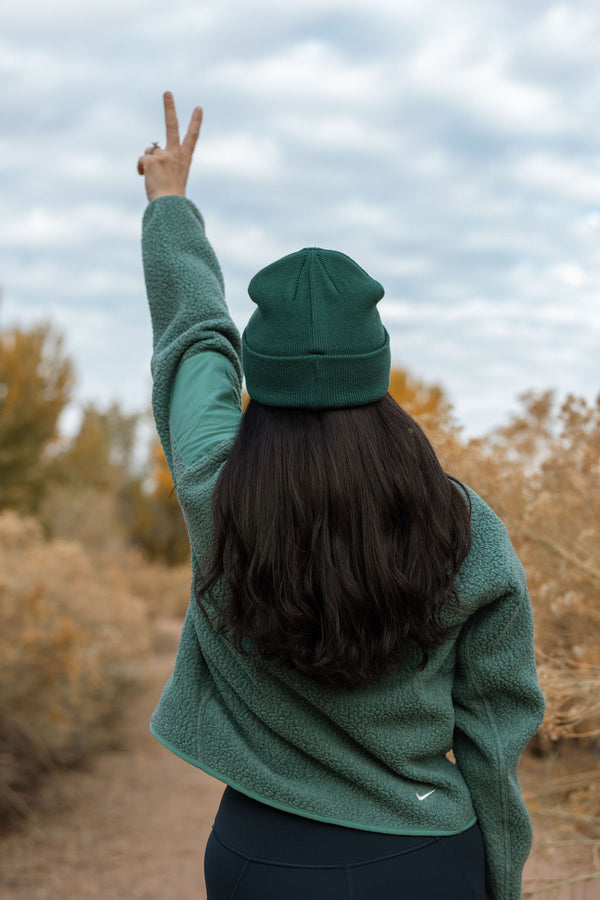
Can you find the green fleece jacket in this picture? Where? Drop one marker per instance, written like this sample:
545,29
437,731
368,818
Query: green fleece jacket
375,759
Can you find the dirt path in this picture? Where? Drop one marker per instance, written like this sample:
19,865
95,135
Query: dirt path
134,824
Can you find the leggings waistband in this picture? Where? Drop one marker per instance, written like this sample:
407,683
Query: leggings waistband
249,826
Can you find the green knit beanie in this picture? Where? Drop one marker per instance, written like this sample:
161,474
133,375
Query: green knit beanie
316,339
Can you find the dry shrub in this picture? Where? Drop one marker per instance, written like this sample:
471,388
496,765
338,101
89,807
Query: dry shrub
83,513
541,475
572,692
164,590
72,635
91,517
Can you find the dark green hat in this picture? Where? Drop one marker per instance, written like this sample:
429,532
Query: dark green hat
316,339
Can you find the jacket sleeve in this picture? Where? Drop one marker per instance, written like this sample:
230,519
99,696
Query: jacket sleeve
196,401
498,708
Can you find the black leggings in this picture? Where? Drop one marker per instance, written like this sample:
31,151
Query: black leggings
257,852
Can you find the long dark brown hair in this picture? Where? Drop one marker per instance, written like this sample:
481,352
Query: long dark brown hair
340,537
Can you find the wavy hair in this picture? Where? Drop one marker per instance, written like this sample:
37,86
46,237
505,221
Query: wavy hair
340,537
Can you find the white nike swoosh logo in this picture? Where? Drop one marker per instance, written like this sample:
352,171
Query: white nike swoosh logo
422,796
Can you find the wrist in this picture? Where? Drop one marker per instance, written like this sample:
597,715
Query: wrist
167,194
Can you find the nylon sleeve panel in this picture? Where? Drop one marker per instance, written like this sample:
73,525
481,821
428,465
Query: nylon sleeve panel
204,405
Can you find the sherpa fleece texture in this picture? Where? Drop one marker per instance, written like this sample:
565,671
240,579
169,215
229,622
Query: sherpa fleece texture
374,759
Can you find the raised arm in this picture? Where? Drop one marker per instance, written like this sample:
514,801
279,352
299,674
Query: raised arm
196,402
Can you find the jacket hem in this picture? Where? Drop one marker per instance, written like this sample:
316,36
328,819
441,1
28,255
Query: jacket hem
298,812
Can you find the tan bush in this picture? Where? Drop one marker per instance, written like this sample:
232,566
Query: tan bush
83,514
541,474
164,590
72,635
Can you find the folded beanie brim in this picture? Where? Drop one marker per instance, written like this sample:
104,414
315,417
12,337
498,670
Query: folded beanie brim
317,381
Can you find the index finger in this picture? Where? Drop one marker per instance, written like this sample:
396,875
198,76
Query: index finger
171,121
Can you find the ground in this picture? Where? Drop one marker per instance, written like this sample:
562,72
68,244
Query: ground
133,824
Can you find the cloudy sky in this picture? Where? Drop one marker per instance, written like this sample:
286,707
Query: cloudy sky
452,149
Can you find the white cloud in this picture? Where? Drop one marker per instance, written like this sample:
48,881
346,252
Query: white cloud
242,245
302,73
586,228
72,14
561,291
42,71
344,132
42,226
365,215
567,32
87,327
241,156
475,76
466,311
569,179
177,20
403,265
569,274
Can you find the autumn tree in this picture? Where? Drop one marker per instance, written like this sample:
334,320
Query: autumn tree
157,523
425,402
429,406
87,493
101,453
36,380
541,474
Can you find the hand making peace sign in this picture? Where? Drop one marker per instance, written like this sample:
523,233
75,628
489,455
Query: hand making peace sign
166,171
